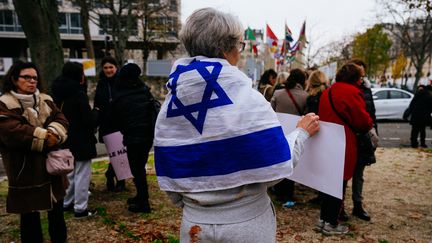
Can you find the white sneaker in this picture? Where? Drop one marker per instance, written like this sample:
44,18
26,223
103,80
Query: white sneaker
338,229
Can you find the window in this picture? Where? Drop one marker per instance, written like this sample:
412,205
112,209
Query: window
9,21
381,95
106,24
398,95
98,4
162,25
173,5
70,23
75,23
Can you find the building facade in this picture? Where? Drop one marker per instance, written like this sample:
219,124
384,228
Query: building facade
158,29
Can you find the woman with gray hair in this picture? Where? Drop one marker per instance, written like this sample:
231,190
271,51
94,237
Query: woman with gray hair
218,143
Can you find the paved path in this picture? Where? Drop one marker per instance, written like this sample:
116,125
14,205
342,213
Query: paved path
397,134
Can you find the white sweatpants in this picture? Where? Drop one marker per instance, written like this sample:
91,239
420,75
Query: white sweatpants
261,229
79,182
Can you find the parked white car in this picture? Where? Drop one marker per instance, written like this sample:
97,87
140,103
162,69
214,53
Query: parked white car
390,103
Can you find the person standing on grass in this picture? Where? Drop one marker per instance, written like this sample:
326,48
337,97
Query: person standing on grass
291,100
105,92
218,143
363,159
133,112
70,95
343,103
31,126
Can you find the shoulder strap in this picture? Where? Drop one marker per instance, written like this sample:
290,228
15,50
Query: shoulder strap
294,101
337,113
265,90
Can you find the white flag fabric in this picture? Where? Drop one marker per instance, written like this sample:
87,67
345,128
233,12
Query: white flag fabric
214,131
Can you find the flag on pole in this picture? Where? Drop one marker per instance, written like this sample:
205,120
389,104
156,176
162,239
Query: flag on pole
272,40
297,50
288,34
251,37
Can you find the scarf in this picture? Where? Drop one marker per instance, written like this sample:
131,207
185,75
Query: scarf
215,132
34,110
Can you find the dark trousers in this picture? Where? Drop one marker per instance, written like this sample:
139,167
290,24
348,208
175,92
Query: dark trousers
357,182
331,207
137,155
31,229
415,130
284,190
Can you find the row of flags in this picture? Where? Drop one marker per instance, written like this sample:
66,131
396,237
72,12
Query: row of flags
282,51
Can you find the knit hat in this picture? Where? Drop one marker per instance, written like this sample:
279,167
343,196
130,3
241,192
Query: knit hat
130,71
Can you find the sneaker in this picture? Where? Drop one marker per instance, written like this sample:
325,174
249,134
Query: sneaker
319,225
338,229
86,213
288,204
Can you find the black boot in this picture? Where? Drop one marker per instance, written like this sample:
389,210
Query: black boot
121,186
343,216
139,206
110,183
359,212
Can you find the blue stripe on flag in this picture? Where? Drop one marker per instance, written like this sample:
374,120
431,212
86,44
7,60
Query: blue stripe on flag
254,150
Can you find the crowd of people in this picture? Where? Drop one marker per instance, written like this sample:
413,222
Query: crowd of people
216,157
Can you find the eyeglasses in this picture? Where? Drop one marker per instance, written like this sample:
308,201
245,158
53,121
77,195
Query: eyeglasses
241,46
28,78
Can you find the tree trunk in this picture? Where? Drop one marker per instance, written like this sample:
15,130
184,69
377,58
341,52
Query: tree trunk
39,22
84,12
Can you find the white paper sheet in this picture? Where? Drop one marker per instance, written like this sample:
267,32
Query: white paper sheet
322,164
118,155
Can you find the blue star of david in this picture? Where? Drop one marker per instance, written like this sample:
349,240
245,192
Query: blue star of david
202,107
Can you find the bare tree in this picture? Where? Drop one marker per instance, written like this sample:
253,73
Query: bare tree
39,22
85,18
118,19
151,27
412,27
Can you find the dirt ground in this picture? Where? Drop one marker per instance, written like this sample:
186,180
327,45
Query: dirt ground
397,194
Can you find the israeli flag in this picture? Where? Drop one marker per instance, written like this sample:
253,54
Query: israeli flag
215,132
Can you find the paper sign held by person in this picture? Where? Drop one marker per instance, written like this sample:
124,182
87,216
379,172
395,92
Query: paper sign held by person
322,164
117,155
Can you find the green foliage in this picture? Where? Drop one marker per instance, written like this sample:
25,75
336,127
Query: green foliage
399,66
372,47
383,241
99,167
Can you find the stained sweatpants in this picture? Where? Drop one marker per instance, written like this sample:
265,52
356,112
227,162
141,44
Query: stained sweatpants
259,229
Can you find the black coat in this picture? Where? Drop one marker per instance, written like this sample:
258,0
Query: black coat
370,105
133,113
72,99
312,103
105,93
421,108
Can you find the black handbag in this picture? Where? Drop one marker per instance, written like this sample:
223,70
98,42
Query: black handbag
365,148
